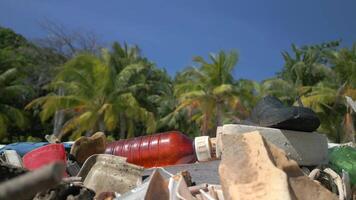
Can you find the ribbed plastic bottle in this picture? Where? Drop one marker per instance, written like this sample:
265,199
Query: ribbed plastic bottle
162,149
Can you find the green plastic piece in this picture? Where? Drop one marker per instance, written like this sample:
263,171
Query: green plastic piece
344,158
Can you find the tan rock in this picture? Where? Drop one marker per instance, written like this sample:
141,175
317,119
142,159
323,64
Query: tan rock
252,168
302,187
280,159
247,170
84,147
306,189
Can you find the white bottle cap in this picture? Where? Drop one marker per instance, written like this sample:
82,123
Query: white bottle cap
202,148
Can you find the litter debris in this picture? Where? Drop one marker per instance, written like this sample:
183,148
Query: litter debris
8,171
350,144
252,168
11,157
254,165
344,158
44,155
66,191
201,172
271,112
84,147
73,167
154,187
24,147
52,139
109,173
178,188
346,184
162,149
247,171
308,149
106,196
26,186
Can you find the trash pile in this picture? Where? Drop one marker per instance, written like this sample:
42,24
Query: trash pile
256,161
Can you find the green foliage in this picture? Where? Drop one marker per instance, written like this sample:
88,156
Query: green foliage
344,64
208,92
100,92
10,91
124,94
321,76
307,66
15,51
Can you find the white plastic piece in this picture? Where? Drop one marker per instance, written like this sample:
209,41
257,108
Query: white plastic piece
13,158
206,195
346,184
202,148
338,181
314,173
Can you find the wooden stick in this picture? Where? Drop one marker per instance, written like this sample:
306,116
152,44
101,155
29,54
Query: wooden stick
28,185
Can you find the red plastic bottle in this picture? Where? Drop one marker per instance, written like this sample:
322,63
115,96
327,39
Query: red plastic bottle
156,150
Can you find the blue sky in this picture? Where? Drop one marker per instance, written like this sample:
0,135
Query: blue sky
170,33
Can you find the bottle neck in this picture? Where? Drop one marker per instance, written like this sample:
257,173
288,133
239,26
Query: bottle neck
204,148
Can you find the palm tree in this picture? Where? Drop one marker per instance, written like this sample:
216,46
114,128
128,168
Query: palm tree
307,75
169,117
305,69
96,93
328,99
10,91
151,86
247,91
329,102
207,91
344,64
308,64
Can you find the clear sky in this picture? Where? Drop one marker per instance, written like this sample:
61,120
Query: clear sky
170,33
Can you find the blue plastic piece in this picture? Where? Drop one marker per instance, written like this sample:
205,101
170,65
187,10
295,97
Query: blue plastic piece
23,147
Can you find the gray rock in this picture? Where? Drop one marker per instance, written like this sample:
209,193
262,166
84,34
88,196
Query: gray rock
307,148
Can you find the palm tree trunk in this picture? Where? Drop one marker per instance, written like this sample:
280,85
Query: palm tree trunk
88,133
349,129
101,126
204,130
122,126
218,114
58,118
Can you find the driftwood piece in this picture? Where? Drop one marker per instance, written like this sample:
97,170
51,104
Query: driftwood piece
26,186
8,171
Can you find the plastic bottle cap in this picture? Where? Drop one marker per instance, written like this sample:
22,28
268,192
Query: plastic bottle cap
202,148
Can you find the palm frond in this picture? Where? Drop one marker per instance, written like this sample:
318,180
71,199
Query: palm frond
15,115
50,104
130,71
3,125
223,89
8,75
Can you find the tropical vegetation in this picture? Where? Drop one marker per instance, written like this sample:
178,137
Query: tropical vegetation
47,87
